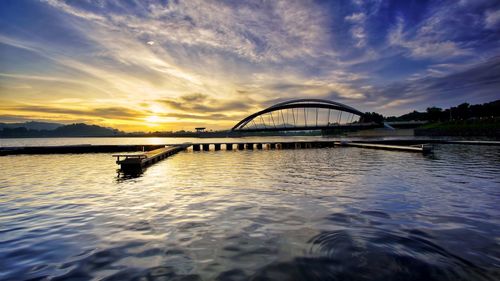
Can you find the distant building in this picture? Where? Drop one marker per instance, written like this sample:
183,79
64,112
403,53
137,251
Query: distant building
200,129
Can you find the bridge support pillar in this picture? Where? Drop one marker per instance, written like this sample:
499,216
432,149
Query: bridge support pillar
259,146
206,146
196,147
229,146
241,146
217,146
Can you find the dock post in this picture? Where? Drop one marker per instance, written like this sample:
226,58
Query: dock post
298,145
259,146
206,146
229,146
217,146
427,148
196,147
279,146
249,146
241,146
308,145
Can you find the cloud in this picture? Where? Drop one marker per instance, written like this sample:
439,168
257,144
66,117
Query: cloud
219,60
74,11
358,30
356,18
318,89
213,116
479,82
201,103
100,112
492,19
424,46
254,31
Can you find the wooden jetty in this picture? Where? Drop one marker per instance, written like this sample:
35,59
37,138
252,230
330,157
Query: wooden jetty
137,161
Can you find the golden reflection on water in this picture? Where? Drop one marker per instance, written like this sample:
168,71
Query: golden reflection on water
209,212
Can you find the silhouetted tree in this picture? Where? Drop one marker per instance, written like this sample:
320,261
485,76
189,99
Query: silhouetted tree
434,113
372,117
413,116
463,111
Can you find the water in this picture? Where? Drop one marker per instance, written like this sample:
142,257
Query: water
315,214
16,142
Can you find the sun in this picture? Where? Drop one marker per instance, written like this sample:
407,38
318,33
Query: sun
152,120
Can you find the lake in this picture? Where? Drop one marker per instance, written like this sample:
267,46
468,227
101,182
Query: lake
314,214
21,142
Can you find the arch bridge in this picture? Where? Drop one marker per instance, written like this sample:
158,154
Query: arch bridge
303,114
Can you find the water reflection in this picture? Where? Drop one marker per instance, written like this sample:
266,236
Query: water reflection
122,175
318,214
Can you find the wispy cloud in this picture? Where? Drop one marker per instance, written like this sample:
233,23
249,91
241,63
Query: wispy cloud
358,30
200,103
215,61
492,19
425,45
482,80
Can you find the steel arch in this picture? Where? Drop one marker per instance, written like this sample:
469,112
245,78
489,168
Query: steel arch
298,103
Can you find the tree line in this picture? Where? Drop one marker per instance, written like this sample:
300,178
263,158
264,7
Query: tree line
73,130
464,111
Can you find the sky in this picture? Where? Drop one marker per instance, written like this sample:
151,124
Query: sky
175,65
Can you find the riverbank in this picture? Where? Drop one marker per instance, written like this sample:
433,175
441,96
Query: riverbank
467,128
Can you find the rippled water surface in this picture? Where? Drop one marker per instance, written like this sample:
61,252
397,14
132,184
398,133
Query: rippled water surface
316,214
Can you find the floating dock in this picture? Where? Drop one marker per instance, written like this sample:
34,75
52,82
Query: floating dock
422,148
75,149
137,161
150,154
233,145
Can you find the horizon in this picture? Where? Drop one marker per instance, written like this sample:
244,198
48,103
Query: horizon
210,129
167,66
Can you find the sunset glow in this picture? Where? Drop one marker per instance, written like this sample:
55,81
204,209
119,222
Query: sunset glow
174,65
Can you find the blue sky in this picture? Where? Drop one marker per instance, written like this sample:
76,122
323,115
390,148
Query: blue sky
179,64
